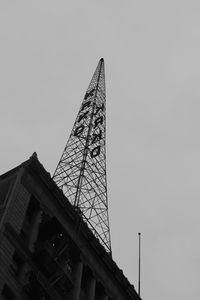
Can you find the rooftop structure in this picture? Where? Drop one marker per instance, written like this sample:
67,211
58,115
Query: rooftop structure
47,250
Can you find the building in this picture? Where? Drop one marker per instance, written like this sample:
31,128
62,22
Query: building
47,251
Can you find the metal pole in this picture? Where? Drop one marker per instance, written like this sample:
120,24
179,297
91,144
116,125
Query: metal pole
139,236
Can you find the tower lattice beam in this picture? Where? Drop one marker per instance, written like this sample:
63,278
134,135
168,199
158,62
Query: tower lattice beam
81,171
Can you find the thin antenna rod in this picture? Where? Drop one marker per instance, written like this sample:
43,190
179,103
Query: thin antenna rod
139,265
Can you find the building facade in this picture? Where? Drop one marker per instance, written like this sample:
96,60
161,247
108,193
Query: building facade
47,251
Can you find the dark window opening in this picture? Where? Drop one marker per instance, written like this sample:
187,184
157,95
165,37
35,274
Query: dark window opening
63,286
57,242
17,264
31,211
87,273
23,234
33,207
100,291
45,263
64,259
55,275
7,293
53,237
49,229
34,291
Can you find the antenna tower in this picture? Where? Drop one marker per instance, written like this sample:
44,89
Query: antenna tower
81,171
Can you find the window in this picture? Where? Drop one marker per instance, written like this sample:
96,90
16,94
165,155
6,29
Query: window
7,293
17,264
33,207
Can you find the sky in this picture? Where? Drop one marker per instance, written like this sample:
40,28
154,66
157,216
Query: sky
49,51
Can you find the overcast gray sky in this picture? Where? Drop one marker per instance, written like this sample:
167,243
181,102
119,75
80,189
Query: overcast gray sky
49,51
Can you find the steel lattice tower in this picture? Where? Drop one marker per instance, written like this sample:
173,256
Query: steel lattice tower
81,171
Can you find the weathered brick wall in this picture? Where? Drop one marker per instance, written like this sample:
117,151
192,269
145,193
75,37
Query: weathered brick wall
14,215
